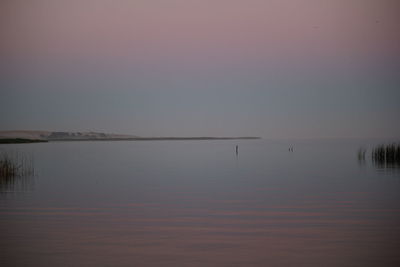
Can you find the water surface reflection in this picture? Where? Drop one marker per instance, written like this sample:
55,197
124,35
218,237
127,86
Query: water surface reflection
197,204
15,184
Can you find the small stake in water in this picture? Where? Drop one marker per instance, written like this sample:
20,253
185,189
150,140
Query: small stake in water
237,149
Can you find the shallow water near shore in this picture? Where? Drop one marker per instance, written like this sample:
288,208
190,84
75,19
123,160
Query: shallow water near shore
197,203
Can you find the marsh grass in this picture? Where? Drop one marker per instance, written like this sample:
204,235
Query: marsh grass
15,165
361,153
386,155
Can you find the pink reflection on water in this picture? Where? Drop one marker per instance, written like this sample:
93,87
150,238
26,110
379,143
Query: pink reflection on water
231,233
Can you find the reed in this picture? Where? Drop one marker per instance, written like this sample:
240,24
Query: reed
15,165
386,154
361,153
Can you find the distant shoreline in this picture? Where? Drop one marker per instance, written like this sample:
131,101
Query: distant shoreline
20,141
27,136
160,139
25,140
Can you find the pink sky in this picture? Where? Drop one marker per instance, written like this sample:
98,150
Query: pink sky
200,32
307,67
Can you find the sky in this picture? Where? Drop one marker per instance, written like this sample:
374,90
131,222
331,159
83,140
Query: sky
272,68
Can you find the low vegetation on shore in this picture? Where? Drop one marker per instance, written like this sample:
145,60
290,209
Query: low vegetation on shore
20,141
388,154
15,165
383,155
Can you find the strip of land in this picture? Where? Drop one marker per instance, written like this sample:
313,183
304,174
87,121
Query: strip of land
20,141
13,137
159,138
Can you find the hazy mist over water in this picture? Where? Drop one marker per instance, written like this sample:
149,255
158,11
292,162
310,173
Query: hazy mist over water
197,203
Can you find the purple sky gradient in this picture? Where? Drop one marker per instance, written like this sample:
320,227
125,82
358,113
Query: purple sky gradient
302,69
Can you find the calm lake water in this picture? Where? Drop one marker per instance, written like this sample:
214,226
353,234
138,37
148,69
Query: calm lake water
195,203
